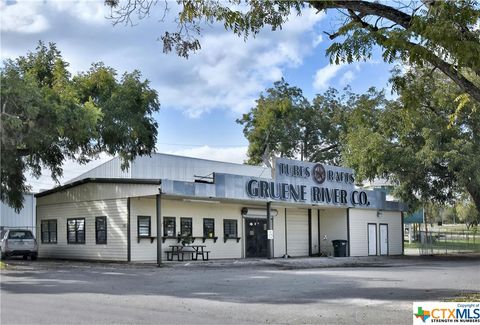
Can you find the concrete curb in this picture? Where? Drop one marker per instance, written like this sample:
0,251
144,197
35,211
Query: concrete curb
278,263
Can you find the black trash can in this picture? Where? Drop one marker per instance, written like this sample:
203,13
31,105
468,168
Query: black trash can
339,248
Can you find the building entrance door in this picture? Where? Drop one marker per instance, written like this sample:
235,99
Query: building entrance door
383,239
256,237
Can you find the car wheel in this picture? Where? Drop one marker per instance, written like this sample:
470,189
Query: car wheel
33,257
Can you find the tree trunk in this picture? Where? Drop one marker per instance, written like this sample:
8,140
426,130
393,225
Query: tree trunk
474,191
366,8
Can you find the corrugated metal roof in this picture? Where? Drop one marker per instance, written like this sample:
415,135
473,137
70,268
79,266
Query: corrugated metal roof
165,166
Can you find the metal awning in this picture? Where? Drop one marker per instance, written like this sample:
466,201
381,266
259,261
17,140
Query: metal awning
416,217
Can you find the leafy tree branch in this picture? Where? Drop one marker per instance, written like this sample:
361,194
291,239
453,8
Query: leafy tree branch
49,116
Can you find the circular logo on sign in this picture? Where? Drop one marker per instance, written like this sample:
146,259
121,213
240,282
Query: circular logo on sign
319,174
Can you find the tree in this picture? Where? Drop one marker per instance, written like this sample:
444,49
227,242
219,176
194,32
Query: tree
443,34
439,212
272,127
414,141
332,111
467,213
285,124
48,116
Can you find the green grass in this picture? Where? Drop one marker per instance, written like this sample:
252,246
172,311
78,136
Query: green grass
3,265
449,245
465,297
459,228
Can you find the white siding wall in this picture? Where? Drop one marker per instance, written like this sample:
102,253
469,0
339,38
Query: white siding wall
297,232
359,219
114,210
333,225
146,251
198,211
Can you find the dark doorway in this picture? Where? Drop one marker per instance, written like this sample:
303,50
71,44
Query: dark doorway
256,234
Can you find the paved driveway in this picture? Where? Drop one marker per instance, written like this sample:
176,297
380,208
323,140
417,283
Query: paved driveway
300,291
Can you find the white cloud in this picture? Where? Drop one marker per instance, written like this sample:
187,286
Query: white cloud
306,21
90,12
226,74
317,40
33,16
347,78
22,17
229,154
229,73
324,75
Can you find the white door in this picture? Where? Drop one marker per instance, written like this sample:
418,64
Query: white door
383,239
372,239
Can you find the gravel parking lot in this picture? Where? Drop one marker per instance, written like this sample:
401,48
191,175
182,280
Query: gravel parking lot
313,291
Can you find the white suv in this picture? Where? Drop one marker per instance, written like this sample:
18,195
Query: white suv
15,242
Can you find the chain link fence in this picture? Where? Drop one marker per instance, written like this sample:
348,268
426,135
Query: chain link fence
446,242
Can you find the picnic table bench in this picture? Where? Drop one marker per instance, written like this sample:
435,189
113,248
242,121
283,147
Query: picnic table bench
194,250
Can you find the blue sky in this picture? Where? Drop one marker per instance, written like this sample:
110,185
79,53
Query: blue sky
201,97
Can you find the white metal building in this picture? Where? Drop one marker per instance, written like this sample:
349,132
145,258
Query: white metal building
164,166
24,219
107,214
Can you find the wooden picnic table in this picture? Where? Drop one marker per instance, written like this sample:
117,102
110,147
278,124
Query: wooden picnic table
194,250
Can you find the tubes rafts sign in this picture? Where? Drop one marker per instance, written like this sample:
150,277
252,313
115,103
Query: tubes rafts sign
298,181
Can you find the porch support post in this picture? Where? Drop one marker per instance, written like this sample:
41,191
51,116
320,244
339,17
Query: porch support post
310,232
269,230
403,234
159,229
129,236
348,231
